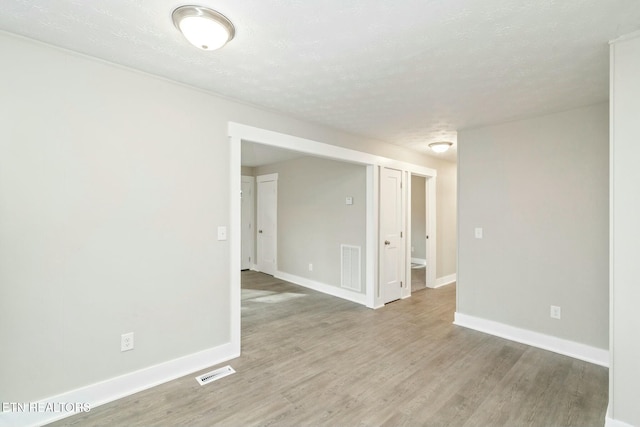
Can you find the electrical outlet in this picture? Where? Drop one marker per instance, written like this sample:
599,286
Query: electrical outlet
126,342
310,267
555,313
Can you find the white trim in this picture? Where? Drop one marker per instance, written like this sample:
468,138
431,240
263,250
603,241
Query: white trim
431,230
419,261
371,251
445,280
408,241
612,199
610,422
125,385
322,287
458,233
405,215
235,241
547,342
308,146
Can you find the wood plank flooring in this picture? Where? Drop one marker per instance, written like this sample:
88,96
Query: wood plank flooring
309,359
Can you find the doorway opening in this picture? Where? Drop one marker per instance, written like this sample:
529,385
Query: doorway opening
419,236
372,298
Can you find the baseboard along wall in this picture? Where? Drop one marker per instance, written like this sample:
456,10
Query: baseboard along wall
610,422
445,280
322,287
116,388
573,349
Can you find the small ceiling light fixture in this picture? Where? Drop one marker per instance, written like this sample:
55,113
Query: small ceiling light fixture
204,28
440,146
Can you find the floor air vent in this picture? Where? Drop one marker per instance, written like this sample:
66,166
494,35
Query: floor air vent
210,377
350,267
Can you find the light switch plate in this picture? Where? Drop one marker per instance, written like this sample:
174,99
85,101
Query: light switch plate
478,232
349,200
222,232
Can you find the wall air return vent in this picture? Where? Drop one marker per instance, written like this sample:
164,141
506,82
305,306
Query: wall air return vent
350,267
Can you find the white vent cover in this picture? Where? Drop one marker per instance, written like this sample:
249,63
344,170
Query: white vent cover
210,377
350,267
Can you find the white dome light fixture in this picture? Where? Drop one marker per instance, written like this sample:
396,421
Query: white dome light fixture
440,146
204,28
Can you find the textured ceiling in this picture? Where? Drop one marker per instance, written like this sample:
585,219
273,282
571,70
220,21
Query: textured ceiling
406,72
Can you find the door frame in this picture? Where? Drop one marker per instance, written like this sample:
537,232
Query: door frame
430,221
238,132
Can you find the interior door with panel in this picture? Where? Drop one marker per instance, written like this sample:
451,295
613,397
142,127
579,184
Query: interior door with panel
247,230
392,253
267,224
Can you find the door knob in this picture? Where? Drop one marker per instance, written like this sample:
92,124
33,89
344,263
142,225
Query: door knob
260,231
386,242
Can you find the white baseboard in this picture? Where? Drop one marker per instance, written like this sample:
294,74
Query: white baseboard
445,280
547,342
116,388
610,422
322,287
420,261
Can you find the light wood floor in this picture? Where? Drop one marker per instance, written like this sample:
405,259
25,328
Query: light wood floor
311,359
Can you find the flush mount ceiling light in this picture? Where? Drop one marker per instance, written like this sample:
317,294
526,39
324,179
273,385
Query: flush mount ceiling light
204,28
440,146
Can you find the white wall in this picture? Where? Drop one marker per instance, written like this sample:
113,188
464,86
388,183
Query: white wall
313,219
624,377
446,227
112,185
539,189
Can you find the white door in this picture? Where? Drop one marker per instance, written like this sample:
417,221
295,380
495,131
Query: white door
427,227
267,223
392,252
246,222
